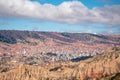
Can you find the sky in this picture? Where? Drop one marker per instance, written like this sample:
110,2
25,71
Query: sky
75,16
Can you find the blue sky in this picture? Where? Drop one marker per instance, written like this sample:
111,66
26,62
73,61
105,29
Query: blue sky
89,3
59,21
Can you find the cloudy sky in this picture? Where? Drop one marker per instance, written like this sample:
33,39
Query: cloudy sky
88,16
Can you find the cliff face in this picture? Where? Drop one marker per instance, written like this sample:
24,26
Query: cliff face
101,67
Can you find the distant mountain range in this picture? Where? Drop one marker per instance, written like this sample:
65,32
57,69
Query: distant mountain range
11,36
13,41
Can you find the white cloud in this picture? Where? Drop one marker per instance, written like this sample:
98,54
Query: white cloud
108,14
89,31
68,12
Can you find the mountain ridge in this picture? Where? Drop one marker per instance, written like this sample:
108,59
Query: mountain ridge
12,35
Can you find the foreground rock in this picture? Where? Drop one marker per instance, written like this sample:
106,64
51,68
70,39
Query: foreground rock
105,66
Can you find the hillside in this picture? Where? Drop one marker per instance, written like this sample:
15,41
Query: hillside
31,42
105,66
33,55
12,36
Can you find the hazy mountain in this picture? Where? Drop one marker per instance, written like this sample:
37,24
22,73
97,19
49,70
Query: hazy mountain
11,36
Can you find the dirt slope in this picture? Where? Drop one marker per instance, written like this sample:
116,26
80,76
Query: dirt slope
101,67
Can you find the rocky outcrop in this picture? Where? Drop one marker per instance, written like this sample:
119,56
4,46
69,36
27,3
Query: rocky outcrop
105,66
